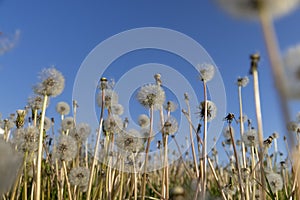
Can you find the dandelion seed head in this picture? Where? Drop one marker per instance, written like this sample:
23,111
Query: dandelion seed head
26,139
113,124
36,102
242,81
293,126
52,83
275,181
130,141
171,106
250,9
143,120
151,95
62,108
206,71
226,132
81,132
79,176
170,126
117,109
47,123
67,123
250,138
65,149
211,110
110,98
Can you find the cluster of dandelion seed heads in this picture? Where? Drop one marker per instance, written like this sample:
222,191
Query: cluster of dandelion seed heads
151,95
62,108
81,132
251,8
211,110
65,149
293,126
110,98
79,177
143,120
206,71
26,139
52,83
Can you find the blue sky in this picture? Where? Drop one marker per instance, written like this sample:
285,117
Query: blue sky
62,33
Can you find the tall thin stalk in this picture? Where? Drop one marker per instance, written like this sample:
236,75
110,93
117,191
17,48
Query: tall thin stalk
242,125
146,154
204,147
254,61
191,137
103,81
276,63
40,151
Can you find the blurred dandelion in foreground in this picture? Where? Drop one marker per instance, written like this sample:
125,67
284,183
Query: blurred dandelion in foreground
11,162
151,95
52,83
275,181
79,177
250,8
291,64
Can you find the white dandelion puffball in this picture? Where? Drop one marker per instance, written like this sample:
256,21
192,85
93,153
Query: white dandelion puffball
62,108
275,181
52,83
250,9
206,71
250,138
151,95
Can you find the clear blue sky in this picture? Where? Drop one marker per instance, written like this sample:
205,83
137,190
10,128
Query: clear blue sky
62,33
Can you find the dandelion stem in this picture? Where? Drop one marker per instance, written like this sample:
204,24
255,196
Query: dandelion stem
40,150
146,154
237,162
204,148
259,127
96,148
276,65
192,139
